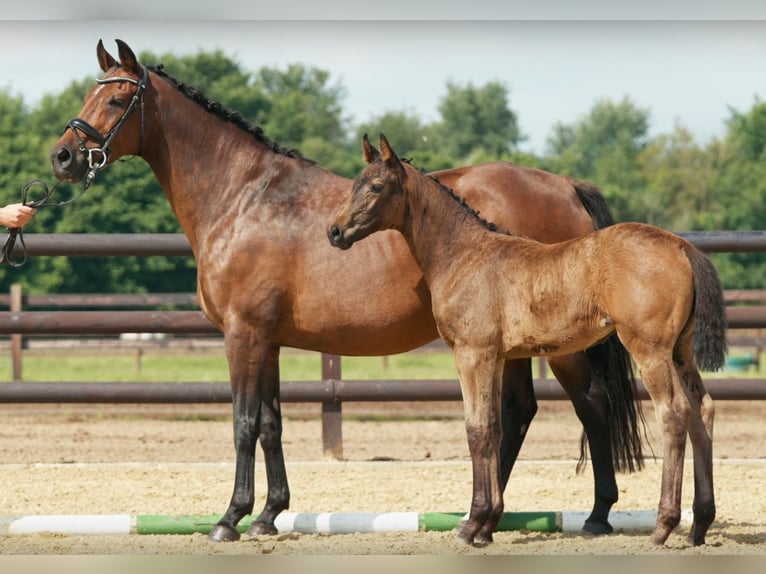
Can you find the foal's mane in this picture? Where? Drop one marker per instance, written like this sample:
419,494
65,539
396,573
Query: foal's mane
226,114
460,200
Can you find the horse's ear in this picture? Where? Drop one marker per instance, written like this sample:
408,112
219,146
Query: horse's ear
128,59
370,153
105,59
386,150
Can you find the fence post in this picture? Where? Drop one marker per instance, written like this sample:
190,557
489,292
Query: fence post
17,342
332,412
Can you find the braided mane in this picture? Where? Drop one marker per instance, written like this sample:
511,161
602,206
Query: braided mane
226,114
460,200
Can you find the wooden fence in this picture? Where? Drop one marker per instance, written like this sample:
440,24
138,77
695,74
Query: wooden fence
23,320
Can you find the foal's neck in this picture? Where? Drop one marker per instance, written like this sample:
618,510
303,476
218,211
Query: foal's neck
441,227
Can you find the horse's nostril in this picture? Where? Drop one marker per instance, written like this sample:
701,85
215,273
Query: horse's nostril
64,155
335,233
61,157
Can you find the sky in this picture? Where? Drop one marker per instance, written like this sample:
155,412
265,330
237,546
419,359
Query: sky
692,72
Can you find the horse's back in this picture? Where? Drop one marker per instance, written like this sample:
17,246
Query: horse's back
523,200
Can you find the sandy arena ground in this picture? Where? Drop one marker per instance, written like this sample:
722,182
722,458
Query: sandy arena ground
133,459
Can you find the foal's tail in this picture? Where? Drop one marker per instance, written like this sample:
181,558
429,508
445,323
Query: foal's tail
612,367
709,341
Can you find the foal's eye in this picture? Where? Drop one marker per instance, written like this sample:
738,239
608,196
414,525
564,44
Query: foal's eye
377,187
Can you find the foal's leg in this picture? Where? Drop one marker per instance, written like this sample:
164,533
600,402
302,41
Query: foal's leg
480,375
701,436
673,414
589,400
250,360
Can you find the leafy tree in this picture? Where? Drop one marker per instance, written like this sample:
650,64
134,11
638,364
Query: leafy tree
739,191
678,174
477,120
603,148
410,137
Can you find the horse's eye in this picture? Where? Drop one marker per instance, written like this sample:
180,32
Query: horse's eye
116,102
377,187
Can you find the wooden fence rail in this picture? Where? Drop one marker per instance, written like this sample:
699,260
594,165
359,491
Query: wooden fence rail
331,390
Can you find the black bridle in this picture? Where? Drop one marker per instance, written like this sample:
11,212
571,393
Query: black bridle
96,156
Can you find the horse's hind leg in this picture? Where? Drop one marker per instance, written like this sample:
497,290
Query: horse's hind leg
673,415
589,400
701,436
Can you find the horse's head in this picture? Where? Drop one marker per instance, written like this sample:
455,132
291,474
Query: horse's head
111,121
377,200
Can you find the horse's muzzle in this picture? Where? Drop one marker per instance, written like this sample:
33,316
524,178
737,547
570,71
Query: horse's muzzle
66,165
336,237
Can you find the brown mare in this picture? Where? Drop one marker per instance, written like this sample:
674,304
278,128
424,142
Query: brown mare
497,296
255,216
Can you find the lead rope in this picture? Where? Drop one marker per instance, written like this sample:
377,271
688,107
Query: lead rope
16,234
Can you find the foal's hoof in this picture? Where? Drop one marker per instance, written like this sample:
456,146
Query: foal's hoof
483,540
221,533
597,528
261,529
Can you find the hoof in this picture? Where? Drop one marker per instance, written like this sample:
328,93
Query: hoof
463,536
482,540
221,533
260,529
659,536
597,528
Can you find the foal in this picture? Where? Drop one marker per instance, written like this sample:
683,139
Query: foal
496,296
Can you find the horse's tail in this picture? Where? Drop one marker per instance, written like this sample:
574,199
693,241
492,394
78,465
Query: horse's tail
612,367
709,340
594,203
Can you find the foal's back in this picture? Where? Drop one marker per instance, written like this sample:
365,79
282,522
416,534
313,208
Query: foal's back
531,298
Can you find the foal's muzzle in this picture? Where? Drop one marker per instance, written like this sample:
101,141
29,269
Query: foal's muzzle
336,237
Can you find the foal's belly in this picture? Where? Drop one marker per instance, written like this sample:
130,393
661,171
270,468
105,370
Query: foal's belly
553,343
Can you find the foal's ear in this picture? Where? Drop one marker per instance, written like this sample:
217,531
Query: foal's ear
370,153
105,59
128,59
388,154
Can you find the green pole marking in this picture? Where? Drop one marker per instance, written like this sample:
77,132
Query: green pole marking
428,521
183,523
533,521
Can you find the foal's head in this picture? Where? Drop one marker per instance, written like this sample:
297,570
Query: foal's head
377,201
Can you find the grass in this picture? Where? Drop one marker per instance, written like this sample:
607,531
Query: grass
206,365
210,365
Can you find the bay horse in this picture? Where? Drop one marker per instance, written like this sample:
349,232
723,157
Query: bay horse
255,213
498,296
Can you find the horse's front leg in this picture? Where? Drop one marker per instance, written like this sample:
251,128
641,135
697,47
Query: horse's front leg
481,384
251,358
518,408
270,437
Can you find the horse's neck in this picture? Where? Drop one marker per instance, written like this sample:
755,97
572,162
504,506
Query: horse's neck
439,229
204,163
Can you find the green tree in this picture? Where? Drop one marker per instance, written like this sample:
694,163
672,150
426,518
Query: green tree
602,147
410,137
739,191
477,120
678,174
